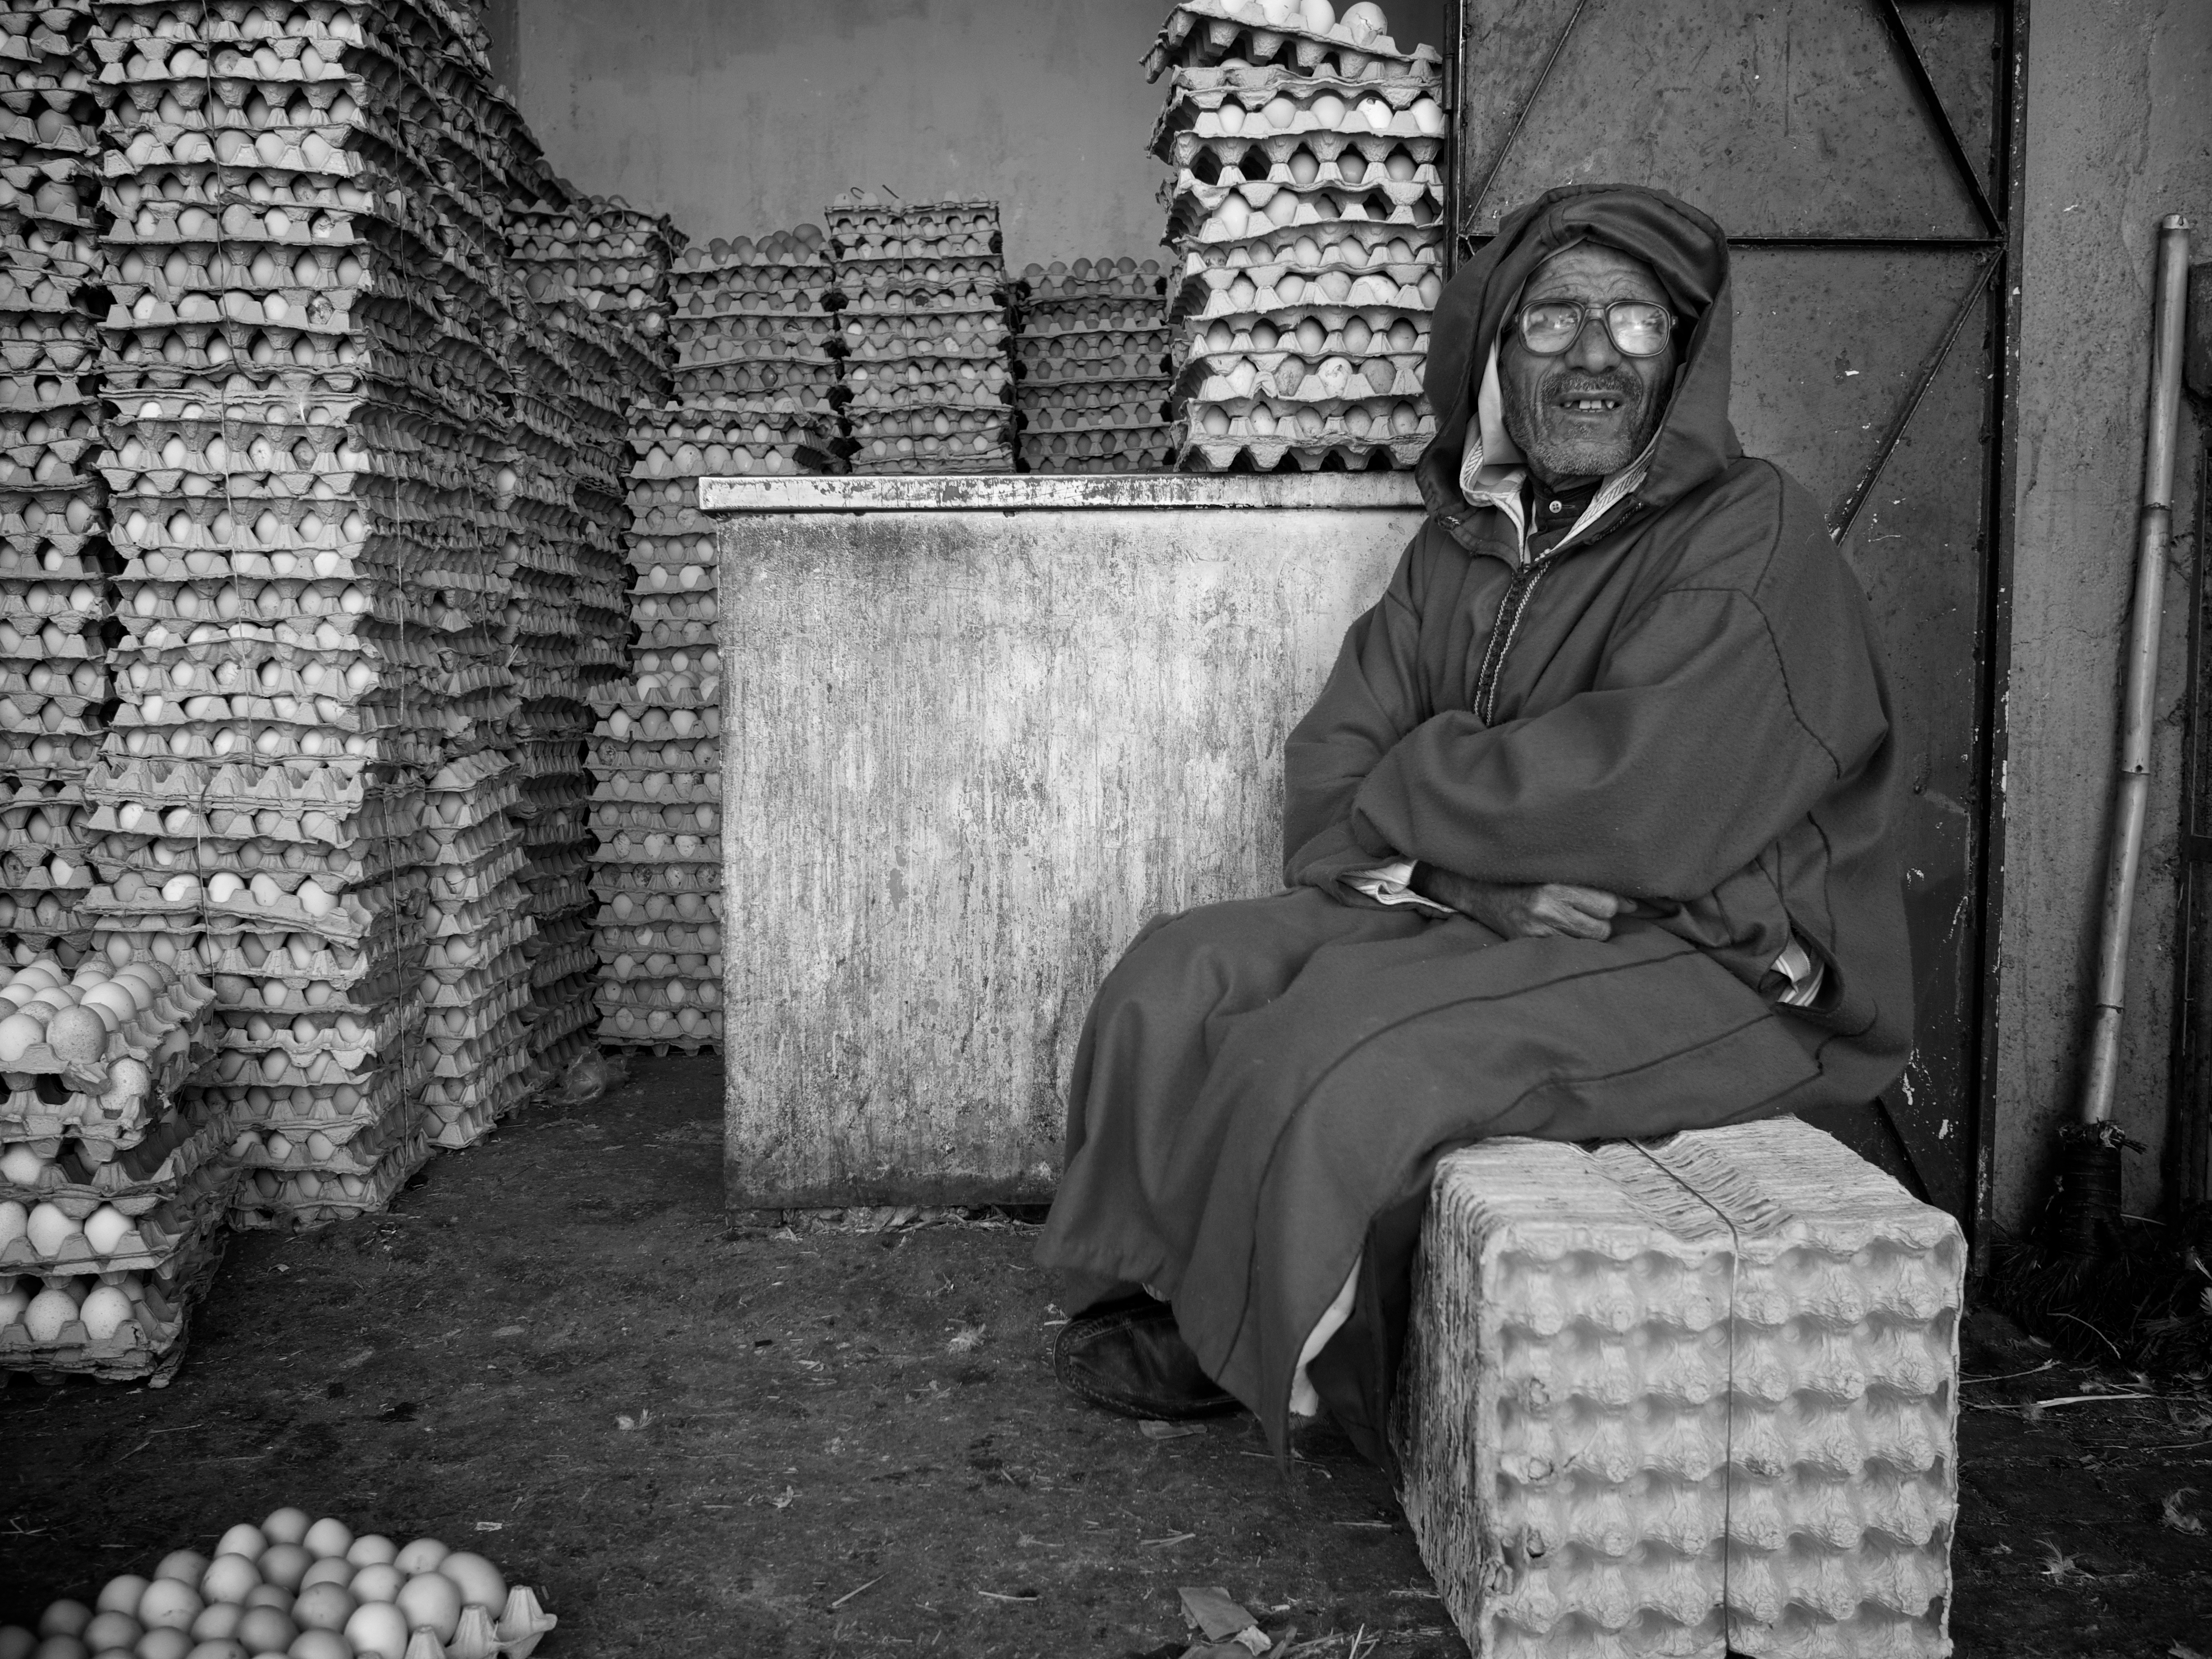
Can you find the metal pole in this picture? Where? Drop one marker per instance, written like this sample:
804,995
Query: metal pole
2132,789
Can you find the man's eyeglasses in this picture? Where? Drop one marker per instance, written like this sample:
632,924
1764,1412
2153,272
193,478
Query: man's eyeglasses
1638,328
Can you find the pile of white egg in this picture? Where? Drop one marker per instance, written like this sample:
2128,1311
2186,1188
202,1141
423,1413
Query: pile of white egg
1306,218
53,589
294,1588
1091,348
926,334
111,1197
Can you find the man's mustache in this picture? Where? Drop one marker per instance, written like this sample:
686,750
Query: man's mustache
1627,388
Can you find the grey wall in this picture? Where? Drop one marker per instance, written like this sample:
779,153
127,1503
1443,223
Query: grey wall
750,117
2117,135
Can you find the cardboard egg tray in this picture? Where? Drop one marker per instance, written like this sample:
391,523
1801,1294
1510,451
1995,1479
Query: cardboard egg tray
355,1148
1234,378
629,898
941,421
1274,291
1203,32
1270,454
173,1027
1136,400
1098,353
1159,458
1275,106
1408,252
1044,318
80,1175
36,1107
149,1347
908,378
267,1198
1204,213
1089,281
153,1238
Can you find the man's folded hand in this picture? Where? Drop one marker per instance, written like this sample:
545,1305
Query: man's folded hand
1540,910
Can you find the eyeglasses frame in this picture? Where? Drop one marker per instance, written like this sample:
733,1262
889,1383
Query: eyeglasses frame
1582,310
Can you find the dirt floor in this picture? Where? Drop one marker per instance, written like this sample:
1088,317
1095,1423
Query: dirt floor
697,1440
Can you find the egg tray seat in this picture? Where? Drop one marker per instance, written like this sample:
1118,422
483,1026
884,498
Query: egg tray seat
740,337
1202,32
928,344
303,1201
147,1348
618,786
81,1174
149,1241
1684,1395
678,619
300,1111
1275,115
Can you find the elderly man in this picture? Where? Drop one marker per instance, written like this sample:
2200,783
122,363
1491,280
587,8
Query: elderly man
1589,835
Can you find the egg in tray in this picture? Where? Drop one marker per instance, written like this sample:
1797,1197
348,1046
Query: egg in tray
1091,354
608,248
926,334
1306,218
54,687
114,1181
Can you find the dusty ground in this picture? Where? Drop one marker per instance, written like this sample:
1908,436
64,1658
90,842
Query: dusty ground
702,1441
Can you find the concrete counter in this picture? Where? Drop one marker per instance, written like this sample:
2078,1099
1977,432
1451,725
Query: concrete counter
975,730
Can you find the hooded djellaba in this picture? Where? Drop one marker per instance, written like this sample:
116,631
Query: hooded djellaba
1680,702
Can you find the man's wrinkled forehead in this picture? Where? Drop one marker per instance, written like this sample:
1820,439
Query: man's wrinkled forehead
1592,270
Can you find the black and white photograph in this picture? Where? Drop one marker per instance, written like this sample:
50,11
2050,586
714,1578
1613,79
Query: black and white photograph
1105,829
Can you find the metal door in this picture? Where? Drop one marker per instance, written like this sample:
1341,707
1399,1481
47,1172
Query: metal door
1863,155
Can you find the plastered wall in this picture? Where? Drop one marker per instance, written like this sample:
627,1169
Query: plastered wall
2117,135
742,116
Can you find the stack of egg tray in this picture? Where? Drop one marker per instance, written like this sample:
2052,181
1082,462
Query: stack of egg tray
550,655
610,249
1092,355
303,463
925,335
479,991
54,556
757,388
1305,214
1692,1396
612,383
108,1179
657,813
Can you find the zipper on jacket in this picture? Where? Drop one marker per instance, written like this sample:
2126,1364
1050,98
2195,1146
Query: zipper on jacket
1509,609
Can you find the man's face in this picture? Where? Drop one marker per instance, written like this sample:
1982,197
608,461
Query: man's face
1589,410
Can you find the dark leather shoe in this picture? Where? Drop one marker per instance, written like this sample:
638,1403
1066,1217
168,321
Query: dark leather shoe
1128,1357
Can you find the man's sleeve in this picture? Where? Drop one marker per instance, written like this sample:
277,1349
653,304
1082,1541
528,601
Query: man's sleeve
1727,710
1372,699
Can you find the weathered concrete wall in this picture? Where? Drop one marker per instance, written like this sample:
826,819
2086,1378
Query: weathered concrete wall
966,754
2117,135
746,118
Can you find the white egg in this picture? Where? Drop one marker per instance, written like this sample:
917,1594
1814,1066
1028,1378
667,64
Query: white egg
106,1312
103,1229
15,1222
50,1311
49,1229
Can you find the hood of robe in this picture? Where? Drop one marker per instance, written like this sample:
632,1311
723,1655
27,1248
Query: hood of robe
1689,252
